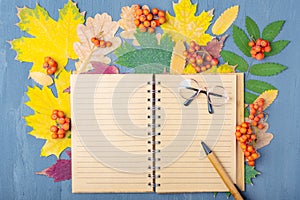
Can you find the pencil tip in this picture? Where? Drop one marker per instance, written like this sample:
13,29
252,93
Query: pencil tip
205,147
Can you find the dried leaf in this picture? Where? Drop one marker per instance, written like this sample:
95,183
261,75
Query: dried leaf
101,68
43,102
185,26
60,171
215,46
177,59
126,22
226,68
225,20
41,78
263,138
50,38
269,96
102,27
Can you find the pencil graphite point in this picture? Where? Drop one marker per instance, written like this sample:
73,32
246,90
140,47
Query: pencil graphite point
206,148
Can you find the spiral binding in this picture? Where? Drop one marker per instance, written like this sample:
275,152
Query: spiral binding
152,126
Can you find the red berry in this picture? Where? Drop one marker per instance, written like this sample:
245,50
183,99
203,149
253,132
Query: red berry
155,11
61,120
214,62
66,126
54,116
54,136
53,128
259,56
60,114
251,43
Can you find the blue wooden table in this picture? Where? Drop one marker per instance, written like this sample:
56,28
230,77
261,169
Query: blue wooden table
279,163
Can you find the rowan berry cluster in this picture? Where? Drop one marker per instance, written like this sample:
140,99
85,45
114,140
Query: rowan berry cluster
259,47
50,65
145,19
62,124
245,132
198,58
100,42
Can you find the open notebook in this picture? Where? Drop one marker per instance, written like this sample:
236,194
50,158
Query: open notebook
132,133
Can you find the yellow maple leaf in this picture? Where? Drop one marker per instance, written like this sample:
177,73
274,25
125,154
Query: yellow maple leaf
178,60
189,69
185,26
50,38
226,68
225,20
43,102
269,96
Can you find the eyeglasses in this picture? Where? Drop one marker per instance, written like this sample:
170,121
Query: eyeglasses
189,90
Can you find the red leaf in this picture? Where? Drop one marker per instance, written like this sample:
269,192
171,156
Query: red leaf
60,171
215,46
101,68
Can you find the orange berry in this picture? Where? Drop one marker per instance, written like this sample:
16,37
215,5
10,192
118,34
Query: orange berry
251,163
97,43
254,123
149,17
252,111
61,131
146,23
253,137
243,146
251,116
102,43
268,49
257,48
253,52
260,103
264,43
60,114
55,112
153,23
260,56
151,30
249,131
244,124
256,119
47,59
162,20
67,120
142,28
137,22
50,71
198,69
251,43
251,105
161,13
247,153
52,63
255,106
261,115
53,69
155,11
54,136
243,130
258,41
93,39
146,11
108,44
53,128
250,148
254,156
260,109
260,126
61,120
54,116
157,22
61,136
248,136
238,134
249,158
66,126
238,127
214,62
139,12
143,18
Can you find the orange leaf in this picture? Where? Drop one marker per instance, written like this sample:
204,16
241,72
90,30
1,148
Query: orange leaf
269,96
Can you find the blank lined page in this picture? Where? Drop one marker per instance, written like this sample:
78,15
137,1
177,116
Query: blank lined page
110,133
183,164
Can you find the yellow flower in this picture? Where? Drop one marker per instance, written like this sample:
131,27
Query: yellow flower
43,102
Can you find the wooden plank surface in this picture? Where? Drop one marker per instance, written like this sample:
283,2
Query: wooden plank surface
279,162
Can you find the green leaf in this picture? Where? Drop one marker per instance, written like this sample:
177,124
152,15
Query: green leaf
252,28
146,39
234,59
228,194
166,43
246,112
70,136
259,86
215,194
141,58
272,30
277,47
241,40
267,69
125,48
250,173
250,97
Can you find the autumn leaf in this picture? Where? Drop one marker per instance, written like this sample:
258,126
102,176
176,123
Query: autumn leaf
185,26
126,22
225,20
101,26
226,68
43,102
269,96
101,68
49,37
215,46
60,171
263,138
177,60
41,78
189,69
